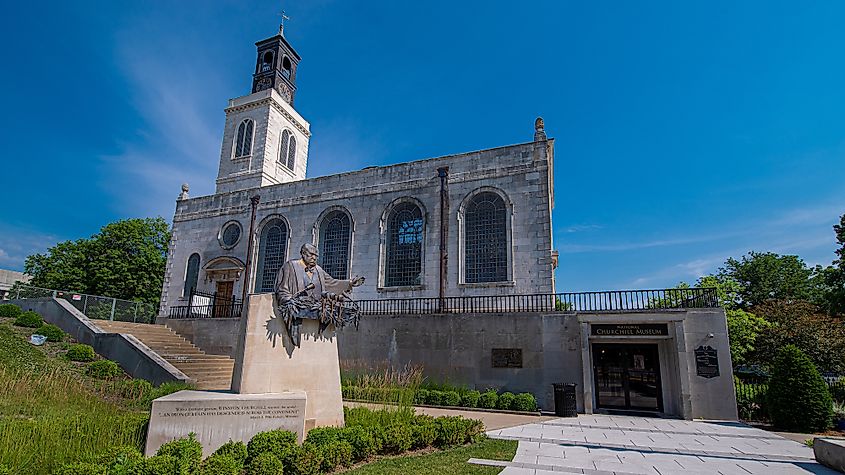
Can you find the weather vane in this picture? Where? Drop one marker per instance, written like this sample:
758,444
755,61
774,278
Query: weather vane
282,23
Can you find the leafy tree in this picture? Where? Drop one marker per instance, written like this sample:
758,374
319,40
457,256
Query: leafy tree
821,337
125,259
765,275
833,277
798,397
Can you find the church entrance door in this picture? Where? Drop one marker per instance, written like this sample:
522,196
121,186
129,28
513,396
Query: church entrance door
223,298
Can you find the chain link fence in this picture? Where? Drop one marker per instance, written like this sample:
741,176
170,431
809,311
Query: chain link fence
93,306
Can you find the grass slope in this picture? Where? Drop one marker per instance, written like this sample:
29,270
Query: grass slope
443,462
48,413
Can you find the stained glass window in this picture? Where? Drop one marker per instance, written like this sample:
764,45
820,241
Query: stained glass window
404,246
485,245
335,235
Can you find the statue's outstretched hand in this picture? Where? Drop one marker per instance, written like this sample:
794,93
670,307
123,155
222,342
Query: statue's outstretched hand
358,280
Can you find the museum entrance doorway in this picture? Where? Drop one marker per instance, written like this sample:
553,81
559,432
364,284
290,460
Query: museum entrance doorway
627,376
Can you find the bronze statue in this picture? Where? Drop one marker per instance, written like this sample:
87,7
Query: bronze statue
305,290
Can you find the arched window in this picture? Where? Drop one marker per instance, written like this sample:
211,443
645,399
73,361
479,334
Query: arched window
287,149
192,272
292,152
335,235
271,254
243,141
404,246
286,66
267,62
485,239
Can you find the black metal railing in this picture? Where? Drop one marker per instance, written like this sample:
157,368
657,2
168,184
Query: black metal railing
208,305
605,301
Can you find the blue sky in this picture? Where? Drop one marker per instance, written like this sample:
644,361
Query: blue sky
686,132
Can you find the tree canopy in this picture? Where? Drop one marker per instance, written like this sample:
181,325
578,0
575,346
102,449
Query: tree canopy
126,260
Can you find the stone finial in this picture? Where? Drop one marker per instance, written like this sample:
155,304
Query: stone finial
184,194
539,130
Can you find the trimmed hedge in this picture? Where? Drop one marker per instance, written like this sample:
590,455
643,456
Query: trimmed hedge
470,399
505,401
235,450
265,463
798,397
81,352
103,369
29,319
280,443
451,398
52,332
220,464
524,402
488,400
8,310
187,453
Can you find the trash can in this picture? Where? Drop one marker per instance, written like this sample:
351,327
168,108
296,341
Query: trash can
565,405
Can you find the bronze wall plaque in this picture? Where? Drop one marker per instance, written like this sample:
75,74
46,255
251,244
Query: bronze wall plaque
507,357
706,362
629,329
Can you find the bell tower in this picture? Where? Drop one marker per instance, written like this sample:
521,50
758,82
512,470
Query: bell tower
265,141
276,65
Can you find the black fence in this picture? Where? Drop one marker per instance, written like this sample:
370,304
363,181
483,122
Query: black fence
752,394
205,305
606,301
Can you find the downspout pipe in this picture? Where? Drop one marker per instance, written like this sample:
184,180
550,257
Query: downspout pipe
254,203
443,174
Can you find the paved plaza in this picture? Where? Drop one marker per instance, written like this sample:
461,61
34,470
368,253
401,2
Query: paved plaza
604,445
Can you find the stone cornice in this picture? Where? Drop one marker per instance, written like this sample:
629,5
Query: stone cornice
269,101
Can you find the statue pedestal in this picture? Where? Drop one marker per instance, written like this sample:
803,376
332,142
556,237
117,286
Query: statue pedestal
266,361
216,417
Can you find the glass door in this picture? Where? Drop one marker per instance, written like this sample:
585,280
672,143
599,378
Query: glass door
627,376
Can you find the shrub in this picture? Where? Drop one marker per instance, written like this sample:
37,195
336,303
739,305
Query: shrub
321,436
451,398
81,468
236,450
470,399
435,397
398,438
29,319
81,352
308,460
488,400
120,460
798,397
280,443
524,402
52,332
187,452
220,464
423,431
158,465
103,369
4,470
452,431
362,442
8,310
337,453
505,401
421,396
163,390
265,463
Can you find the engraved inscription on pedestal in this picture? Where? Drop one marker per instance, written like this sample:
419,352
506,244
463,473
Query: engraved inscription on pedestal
218,417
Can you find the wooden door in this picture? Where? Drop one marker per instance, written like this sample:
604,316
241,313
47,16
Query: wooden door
223,299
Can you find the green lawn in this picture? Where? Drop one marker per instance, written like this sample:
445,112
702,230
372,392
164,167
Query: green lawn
443,462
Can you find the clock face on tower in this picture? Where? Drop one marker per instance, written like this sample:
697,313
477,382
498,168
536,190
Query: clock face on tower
263,83
284,90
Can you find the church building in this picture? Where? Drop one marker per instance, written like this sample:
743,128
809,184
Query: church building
476,223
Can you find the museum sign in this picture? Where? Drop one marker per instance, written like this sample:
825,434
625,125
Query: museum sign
632,329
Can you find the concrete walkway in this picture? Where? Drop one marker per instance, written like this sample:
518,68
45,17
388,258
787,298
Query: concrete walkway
606,445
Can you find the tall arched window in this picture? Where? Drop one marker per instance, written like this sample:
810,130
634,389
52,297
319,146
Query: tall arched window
192,272
335,236
243,140
485,239
287,149
272,248
404,246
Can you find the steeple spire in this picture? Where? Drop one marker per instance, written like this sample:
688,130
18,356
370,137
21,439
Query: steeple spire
282,23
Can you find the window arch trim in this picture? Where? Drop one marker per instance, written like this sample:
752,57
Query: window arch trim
244,139
461,216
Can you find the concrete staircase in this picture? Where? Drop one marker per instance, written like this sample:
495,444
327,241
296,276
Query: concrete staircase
208,371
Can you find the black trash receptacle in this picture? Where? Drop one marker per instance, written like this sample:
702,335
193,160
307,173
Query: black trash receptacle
565,405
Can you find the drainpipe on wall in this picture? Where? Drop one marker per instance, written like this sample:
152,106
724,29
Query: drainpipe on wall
443,173
254,202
